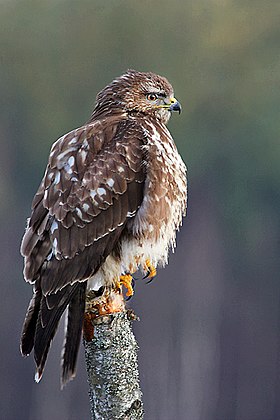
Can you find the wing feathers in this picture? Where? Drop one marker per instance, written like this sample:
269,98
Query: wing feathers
46,327
73,334
92,186
29,326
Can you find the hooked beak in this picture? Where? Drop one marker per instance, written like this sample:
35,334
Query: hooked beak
175,105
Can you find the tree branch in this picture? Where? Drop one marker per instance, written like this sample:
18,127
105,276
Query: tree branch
112,367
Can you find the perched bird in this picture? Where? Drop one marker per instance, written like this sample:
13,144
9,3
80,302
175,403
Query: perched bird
112,197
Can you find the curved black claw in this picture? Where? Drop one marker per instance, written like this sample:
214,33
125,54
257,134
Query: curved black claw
147,276
149,281
133,286
151,271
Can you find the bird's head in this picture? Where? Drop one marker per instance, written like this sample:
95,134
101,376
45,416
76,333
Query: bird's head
134,92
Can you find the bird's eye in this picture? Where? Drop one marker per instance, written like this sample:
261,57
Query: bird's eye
152,96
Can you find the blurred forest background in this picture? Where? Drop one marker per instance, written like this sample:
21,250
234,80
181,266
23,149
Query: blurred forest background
209,334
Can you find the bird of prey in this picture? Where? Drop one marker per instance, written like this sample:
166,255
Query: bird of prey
112,197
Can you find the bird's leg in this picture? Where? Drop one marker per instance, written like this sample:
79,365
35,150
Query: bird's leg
150,269
127,281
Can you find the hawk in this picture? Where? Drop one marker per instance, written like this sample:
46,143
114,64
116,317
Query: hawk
111,200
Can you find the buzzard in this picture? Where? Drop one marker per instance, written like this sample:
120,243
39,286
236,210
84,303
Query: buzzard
110,202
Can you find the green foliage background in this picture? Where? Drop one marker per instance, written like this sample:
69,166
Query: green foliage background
222,57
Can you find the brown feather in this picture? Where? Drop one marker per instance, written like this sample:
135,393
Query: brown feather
47,323
88,200
73,334
29,326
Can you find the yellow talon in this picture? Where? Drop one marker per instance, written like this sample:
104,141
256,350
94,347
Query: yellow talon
126,280
151,270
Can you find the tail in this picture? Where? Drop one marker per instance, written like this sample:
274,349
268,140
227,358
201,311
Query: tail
41,322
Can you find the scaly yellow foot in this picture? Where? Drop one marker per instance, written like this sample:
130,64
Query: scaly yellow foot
126,280
151,270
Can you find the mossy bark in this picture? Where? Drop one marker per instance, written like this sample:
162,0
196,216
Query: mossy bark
112,367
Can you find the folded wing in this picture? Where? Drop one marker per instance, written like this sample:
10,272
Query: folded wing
92,186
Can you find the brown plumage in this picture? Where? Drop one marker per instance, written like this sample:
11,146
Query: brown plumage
112,197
